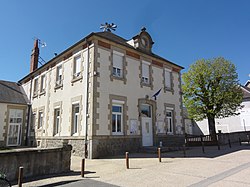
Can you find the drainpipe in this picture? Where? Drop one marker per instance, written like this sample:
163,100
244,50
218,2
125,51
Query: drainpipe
28,124
87,101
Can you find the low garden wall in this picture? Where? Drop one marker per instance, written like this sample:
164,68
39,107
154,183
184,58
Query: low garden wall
36,162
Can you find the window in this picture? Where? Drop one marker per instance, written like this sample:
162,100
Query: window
33,122
169,119
56,121
146,111
40,119
75,118
59,75
145,73
35,89
77,67
117,64
117,118
42,88
167,77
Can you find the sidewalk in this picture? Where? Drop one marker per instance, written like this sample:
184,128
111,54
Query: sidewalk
225,167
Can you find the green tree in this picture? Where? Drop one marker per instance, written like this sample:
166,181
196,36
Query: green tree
211,90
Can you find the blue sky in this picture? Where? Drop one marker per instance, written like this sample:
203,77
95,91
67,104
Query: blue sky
183,31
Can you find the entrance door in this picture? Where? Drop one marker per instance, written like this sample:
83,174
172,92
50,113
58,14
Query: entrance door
15,124
147,135
146,122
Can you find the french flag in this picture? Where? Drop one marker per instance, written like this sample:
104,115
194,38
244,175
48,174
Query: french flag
156,94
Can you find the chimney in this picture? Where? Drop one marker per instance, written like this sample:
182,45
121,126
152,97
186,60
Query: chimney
34,57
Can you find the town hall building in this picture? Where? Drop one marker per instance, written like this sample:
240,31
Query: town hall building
104,95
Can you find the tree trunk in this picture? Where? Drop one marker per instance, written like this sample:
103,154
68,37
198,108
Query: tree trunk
211,125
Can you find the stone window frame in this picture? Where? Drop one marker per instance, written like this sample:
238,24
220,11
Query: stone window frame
150,84
57,106
121,100
43,84
80,76
119,104
59,83
74,101
120,52
171,88
168,106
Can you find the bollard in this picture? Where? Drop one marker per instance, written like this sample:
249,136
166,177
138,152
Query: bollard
159,154
127,160
83,167
202,145
240,141
184,150
203,149
218,144
229,143
20,176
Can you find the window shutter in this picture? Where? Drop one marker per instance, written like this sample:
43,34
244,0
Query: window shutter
117,61
145,70
78,64
167,79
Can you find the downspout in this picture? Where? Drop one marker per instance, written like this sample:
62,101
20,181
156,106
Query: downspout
87,101
29,113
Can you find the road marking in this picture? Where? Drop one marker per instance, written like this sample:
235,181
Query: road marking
221,176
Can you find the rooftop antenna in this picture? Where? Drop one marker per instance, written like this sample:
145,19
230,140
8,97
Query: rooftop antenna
108,27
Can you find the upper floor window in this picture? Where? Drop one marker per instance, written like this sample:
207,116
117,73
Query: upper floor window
75,118
117,119
77,66
42,87
145,79
59,75
35,89
167,77
117,70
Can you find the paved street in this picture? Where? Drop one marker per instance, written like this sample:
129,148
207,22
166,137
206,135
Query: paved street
225,167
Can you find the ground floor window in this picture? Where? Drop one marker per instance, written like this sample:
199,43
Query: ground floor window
75,118
40,119
56,121
117,124
169,120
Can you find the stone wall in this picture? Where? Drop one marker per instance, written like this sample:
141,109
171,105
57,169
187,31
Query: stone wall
109,146
233,136
36,162
170,140
77,144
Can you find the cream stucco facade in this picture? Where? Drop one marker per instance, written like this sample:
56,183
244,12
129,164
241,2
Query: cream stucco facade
88,98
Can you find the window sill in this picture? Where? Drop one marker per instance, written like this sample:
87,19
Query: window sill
75,79
168,89
117,78
146,84
57,86
35,95
117,134
42,93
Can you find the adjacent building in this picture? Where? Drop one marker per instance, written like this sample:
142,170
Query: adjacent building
230,124
105,95
13,115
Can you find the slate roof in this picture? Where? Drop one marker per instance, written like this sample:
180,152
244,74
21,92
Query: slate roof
10,92
106,35
117,39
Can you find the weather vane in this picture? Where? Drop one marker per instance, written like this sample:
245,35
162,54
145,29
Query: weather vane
108,27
